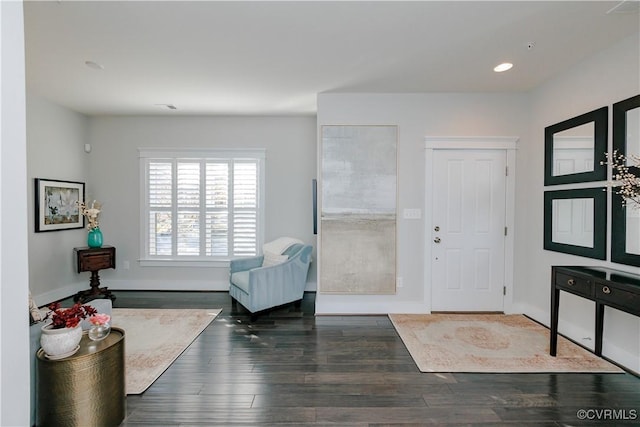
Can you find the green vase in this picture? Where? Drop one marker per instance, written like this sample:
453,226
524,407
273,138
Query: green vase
94,238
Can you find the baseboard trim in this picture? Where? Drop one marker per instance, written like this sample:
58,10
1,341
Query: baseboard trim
60,293
175,285
359,308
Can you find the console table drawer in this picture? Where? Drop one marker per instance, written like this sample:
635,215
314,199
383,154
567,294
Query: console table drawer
96,262
616,297
95,259
575,284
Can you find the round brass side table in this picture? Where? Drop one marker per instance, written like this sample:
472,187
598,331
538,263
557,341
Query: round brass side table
85,389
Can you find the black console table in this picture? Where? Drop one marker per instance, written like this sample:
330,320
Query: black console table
604,286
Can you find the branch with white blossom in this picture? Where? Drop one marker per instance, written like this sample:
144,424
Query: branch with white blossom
628,184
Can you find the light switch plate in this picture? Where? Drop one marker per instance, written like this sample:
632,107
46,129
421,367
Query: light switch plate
412,214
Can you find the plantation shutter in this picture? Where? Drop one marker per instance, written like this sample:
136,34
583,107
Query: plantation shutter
202,208
217,202
245,208
188,207
160,207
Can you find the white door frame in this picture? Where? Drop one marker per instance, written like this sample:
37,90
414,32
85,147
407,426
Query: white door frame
509,144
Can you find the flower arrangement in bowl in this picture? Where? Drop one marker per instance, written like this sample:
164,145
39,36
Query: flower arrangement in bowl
61,336
100,327
68,317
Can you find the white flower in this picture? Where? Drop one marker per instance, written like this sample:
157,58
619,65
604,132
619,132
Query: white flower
628,183
91,213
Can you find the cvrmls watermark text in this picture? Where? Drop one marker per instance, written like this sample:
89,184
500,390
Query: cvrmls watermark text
607,414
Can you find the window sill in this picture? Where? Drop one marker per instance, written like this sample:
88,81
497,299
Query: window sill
194,263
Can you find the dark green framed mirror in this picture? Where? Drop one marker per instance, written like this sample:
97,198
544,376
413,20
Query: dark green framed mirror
625,220
626,129
575,149
625,232
575,222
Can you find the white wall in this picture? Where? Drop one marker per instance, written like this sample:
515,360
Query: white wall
417,116
14,332
114,174
55,143
601,80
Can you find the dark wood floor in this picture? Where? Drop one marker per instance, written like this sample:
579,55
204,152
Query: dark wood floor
291,367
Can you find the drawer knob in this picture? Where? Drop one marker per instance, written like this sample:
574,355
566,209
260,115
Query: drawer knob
606,290
571,282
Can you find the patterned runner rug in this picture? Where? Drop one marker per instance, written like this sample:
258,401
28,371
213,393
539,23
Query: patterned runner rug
154,338
494,343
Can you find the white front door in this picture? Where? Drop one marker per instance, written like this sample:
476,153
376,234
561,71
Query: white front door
468,230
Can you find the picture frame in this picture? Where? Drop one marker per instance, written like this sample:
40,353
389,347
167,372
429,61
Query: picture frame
314,203
56,206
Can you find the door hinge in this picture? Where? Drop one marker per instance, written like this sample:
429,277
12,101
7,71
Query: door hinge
506,171
505,231
504,290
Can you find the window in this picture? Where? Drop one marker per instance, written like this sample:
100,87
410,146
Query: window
201,205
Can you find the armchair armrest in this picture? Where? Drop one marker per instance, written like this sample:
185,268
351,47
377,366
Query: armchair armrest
242,264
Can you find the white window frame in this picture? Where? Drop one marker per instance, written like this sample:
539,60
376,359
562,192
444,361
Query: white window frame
147,154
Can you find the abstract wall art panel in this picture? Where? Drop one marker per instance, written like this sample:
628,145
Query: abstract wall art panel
358,209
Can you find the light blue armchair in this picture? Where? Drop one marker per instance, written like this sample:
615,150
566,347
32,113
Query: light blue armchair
259,288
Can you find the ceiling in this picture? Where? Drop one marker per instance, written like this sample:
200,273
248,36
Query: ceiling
273,58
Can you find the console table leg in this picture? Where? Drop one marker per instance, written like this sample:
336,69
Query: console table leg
599,328
555,300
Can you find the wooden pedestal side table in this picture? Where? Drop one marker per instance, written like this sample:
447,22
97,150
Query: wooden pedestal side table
86,389
94,260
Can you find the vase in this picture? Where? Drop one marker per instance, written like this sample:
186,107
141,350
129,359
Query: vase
60,343
94,238
99,332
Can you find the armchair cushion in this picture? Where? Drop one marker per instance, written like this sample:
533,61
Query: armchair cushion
273,259
280,245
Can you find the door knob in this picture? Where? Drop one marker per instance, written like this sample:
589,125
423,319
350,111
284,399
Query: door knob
437,240
437,228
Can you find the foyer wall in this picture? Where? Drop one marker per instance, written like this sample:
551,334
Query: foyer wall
601,80
417,116
114,172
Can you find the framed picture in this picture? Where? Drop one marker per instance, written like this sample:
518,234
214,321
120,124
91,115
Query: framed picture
314,202
56,204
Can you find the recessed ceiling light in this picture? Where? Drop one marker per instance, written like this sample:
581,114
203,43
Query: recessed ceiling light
503,67
94,65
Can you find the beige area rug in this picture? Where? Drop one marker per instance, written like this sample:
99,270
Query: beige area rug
489,343
154,338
